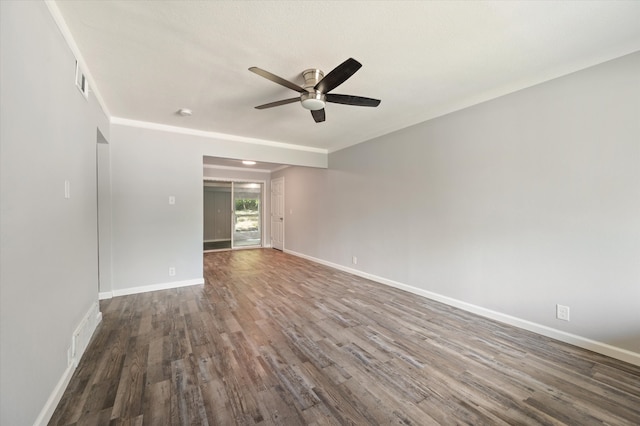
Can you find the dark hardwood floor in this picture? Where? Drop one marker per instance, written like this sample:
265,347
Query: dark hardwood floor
275,339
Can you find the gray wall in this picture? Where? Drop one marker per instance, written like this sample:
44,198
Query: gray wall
149,165
513,205
148,234
48,248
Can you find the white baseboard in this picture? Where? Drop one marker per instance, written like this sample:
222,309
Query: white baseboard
85,329
55,397
147,288
105,295
582,342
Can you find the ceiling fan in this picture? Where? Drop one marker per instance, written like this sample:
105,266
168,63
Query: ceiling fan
315,93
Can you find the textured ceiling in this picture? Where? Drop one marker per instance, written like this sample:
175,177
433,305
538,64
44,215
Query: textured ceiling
422,59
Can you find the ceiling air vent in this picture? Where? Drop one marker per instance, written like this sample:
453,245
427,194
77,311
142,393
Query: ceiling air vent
81,82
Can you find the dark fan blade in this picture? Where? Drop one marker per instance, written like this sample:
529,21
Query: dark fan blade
338,75
278,103
281,81
352,100
318,115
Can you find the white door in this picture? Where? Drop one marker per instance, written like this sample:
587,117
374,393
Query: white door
277,213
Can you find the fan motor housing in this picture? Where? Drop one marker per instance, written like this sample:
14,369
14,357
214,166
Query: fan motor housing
312,100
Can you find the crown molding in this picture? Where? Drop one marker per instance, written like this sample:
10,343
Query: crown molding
212,135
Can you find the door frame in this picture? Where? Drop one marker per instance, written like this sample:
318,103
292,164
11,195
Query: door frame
272,211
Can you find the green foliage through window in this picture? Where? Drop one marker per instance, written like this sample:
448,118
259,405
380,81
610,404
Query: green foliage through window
247,204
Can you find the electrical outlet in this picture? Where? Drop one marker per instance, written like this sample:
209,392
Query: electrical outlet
354,260
172,271
562,312
172,200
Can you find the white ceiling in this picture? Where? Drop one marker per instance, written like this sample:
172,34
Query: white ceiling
423,59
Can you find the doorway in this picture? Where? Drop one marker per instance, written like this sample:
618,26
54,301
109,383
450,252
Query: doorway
232,215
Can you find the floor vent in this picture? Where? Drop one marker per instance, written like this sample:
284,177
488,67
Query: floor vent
82,334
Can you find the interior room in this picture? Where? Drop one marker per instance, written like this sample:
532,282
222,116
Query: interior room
319,212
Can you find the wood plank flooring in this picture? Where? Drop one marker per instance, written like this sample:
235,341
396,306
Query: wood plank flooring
273,339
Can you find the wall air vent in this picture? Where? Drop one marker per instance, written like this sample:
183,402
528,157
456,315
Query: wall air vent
81,82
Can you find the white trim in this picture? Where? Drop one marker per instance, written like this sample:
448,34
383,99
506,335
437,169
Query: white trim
284,166
212,135
55,397
284,213
105,295
583,342
92,318
66,34
241,169
154,287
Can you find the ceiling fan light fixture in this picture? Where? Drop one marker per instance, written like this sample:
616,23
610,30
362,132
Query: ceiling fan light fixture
313,101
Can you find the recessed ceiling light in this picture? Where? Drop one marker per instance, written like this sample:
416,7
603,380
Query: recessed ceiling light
185,112
248,163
